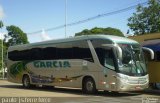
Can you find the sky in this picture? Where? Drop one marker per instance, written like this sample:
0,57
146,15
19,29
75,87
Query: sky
35,15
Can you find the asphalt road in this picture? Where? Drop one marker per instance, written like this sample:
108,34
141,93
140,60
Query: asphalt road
11,91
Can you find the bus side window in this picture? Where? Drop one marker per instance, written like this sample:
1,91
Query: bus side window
64,51
104,54
48,53
109,59
81,50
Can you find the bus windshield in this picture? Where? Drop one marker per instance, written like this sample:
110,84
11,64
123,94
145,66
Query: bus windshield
132,62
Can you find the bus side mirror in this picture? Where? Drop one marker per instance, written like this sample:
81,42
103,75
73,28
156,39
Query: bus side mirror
150,51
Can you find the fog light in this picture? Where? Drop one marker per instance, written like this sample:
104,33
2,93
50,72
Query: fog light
103,82
113,83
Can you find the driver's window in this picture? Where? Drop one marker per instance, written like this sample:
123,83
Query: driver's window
104,53
109,59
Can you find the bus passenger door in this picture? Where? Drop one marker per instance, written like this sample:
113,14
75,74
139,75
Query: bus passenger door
108,61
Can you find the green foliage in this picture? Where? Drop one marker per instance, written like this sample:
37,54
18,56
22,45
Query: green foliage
4,54
15,36
146,19
96,31
1,26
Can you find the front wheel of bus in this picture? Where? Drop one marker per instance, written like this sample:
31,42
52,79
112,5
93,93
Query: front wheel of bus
26,81
89,86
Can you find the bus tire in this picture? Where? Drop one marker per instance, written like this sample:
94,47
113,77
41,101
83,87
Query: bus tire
26,81
89,86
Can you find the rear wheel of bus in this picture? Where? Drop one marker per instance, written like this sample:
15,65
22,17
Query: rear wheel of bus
89,86
26,81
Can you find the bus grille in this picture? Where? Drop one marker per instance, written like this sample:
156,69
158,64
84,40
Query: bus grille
137,81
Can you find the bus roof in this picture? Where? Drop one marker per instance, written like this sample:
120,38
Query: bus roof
111,38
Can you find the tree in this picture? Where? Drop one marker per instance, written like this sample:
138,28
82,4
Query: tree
96,30
146,19
15,36
4,54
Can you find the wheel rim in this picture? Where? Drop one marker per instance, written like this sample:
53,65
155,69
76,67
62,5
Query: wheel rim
26,82
89,86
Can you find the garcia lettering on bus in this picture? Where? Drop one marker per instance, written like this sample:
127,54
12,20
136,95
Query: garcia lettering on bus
51,64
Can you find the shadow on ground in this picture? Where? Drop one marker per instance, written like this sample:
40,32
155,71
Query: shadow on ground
77,91
150,92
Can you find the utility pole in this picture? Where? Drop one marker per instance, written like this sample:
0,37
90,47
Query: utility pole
65,18
1,25
2,56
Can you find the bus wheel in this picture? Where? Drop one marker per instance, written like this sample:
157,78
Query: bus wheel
89,86
26,81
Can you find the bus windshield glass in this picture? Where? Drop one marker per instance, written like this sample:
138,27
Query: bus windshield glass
132,62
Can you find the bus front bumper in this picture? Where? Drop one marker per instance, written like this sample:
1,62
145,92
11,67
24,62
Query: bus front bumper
127,86
130,87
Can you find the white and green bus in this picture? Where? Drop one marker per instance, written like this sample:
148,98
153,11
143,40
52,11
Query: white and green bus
97,62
